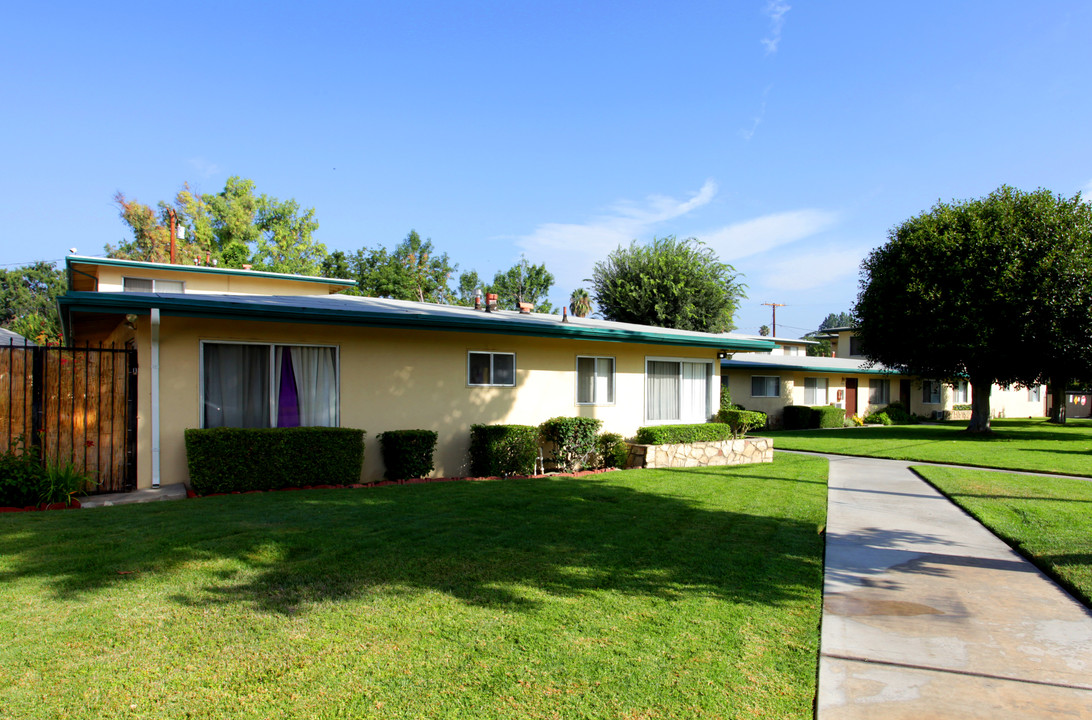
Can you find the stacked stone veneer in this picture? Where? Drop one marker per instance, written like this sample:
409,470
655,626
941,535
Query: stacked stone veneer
725,452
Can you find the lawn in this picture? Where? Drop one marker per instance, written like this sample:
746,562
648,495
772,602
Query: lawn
636,594
1033,445
1048,520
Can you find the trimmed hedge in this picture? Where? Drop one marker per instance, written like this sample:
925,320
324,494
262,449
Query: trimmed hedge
683,434
573,440
741,421
242,459
613,450
810,417
407,453
502,450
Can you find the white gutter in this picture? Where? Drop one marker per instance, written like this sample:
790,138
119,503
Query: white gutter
154,419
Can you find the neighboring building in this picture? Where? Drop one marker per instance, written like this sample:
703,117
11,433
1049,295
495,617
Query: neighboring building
769,382
242,348
7,337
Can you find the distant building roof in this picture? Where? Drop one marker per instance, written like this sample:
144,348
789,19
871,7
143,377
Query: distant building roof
7,337
760,361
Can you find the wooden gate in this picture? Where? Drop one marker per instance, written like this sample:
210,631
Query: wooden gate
72,404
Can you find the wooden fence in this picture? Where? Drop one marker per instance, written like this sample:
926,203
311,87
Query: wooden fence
72,404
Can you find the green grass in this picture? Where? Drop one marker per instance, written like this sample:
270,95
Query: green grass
637,594
1048,520
1032,445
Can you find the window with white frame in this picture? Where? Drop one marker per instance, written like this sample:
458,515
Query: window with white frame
1035,393
251,385
930,392
765,386
678,390
491,369
131,284
793,350
815,391
961,392
595,380
879,391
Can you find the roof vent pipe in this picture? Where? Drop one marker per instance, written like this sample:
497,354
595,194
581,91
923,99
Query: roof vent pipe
490,302
478,299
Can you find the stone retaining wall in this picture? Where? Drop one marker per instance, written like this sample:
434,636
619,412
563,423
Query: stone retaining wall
725,452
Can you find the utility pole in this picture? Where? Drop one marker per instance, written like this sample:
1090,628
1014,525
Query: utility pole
774,306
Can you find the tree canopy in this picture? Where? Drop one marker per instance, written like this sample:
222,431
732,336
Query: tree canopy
668,283
234,227
28,300
985,290
523,282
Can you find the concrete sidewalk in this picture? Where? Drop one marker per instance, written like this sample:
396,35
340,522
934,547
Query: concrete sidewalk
927,615
166,492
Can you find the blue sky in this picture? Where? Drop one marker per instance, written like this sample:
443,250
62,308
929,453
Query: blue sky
789,136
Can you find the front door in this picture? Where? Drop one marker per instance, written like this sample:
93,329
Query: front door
851,396
904,393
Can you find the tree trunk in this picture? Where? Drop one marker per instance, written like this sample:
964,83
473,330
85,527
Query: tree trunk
1057,400
980,406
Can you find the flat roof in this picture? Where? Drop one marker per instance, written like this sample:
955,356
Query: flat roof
75,260
756,361
385,312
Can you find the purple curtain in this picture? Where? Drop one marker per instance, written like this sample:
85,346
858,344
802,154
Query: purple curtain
288,406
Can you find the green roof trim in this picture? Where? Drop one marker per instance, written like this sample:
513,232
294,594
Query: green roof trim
141,265
376,312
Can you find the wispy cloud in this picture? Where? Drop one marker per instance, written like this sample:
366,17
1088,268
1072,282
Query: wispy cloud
571,250
203,167
775,10
1086,192
623,222
767,232
808,270
748,133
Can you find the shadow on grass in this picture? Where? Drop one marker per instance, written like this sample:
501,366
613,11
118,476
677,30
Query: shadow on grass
486,543
1004,430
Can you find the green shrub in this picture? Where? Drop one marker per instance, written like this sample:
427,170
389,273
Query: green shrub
899,414
21,476
829,416
407,453
502,450
613,450
725,396
810,417
682,434
741,421
572,438
242,459
877,418
797,417
962,408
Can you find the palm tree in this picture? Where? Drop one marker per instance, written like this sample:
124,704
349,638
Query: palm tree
580,303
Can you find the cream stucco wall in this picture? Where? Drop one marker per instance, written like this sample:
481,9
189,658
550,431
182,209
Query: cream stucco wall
111,280
793,390
397,379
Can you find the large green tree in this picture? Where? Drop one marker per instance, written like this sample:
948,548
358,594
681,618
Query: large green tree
668,283
236,226
982,290
28,296
832,320
414,270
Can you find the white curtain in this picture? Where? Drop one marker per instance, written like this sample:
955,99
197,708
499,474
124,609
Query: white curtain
236,385
585,380
695,392
316,385
662,390
604,374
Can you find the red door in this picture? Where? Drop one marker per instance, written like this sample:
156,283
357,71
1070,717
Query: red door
851,396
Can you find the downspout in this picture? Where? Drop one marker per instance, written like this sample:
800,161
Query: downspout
154,419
